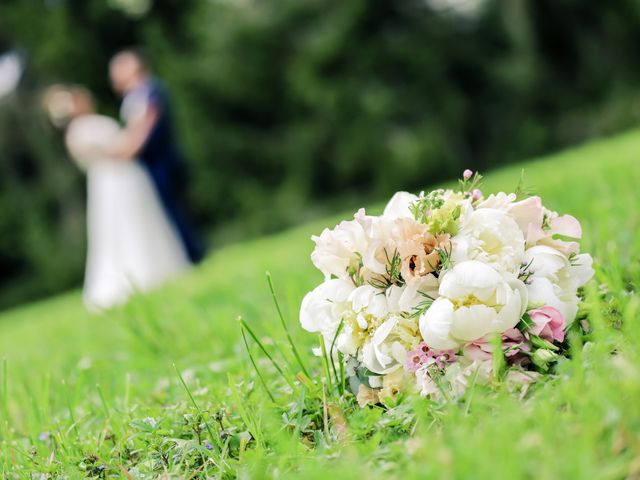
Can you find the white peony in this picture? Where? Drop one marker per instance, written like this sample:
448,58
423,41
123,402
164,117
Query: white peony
555,280
475,300
322,308
490,236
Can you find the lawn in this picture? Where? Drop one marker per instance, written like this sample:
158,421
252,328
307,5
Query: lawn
164,387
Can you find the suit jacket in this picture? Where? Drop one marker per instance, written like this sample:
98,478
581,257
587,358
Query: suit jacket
162,157
160,153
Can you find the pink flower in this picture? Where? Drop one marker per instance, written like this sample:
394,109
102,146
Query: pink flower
423,355
528,214
414,361
476,194
513,343
548,323
467,174
565,226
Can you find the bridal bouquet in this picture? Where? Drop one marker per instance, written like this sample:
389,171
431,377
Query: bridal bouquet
446,289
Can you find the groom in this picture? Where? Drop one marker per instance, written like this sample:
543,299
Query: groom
149,137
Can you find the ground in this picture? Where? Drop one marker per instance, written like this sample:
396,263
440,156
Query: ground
165,387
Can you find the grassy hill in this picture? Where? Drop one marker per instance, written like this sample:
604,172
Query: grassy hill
99,396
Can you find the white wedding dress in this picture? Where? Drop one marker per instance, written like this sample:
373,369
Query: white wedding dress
131,244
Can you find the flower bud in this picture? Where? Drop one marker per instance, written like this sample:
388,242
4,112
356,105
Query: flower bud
543,357
476,194
467,174
542,343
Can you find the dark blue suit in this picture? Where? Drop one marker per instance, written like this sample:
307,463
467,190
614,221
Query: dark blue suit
162,158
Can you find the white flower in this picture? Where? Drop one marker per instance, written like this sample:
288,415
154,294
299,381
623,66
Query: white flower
498,201
379,337
490,236
365,309
340,249
527,213
408,297
387,349
366,300
398,206
384,353
475,300
381,247
555,280
322,308
581,269
455,381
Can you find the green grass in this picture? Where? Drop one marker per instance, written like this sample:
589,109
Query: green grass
99,396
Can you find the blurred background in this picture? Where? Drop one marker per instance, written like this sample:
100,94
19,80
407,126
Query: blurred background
290,109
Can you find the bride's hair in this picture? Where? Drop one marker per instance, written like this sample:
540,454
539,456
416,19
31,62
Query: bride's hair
63,102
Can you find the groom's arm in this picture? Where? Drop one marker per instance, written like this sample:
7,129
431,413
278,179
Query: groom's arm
135,134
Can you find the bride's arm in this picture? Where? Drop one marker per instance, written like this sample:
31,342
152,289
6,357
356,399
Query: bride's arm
132,138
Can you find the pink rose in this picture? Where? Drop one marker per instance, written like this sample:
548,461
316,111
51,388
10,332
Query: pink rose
548,323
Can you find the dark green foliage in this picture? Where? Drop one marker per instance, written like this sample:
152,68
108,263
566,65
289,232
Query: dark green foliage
288,108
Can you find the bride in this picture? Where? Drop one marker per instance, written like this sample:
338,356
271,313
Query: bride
131,244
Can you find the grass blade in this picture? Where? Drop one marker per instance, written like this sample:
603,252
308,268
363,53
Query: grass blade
214,439
333,366
284,325
245,414
70,409
255,367
325,363
264,350
107,413
300,407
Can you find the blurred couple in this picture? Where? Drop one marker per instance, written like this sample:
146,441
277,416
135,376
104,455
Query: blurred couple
138,235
